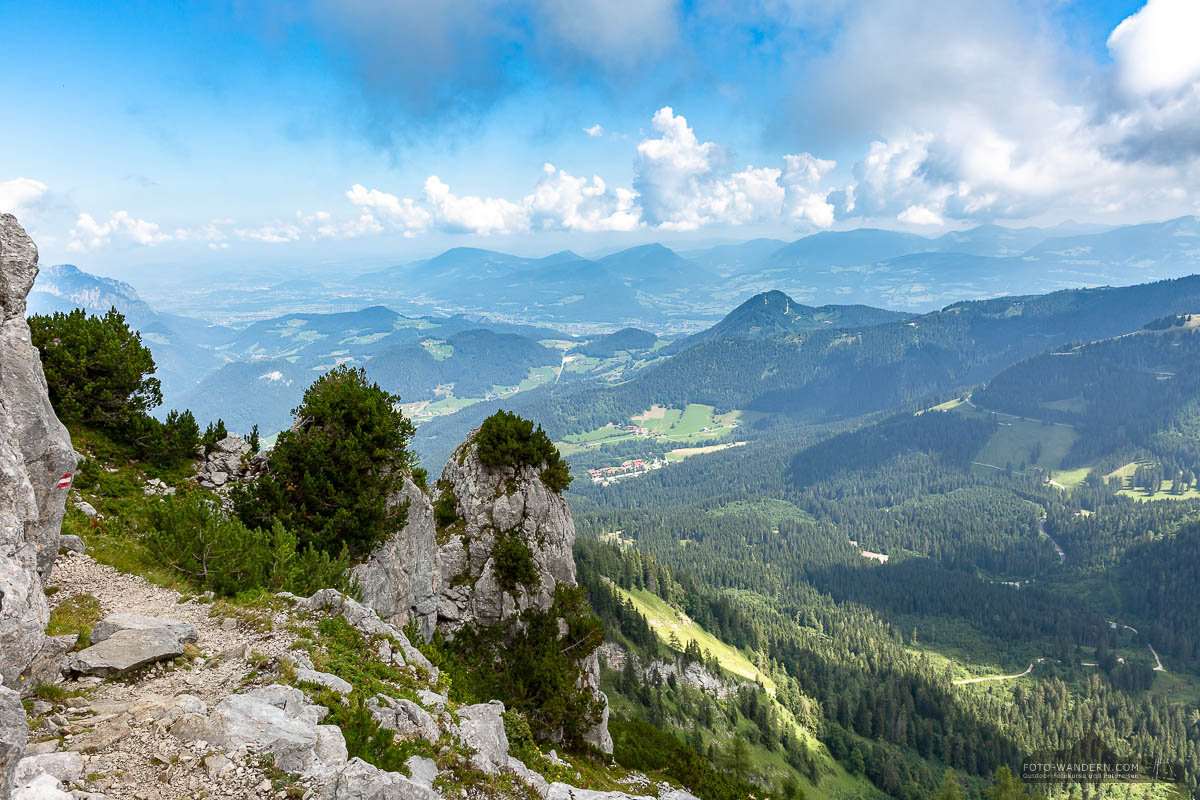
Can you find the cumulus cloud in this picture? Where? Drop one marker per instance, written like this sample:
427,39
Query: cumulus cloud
805,201
1155,49
683,185
973,119
563,202
594,130
20,193
120,227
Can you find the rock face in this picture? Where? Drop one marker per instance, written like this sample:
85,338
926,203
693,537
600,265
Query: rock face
443,574
399,581
492,503
35,452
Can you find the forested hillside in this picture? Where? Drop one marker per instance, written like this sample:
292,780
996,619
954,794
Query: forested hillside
926,607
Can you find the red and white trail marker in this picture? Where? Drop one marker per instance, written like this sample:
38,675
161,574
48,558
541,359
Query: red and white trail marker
64,481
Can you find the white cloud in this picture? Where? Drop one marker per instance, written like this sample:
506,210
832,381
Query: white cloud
804,199
683,185
595,130
88,234
563,202
1157,48
20,193
468,214
919,215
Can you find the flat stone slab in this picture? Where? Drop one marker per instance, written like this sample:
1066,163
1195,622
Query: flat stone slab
67,767
105,628
126,650
329,681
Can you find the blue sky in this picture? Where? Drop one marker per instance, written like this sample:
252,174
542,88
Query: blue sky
177,136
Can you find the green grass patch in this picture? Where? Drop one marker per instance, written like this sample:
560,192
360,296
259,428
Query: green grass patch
1164,493
75,615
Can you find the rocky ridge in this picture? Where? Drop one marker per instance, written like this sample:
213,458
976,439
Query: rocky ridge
35,454
442,573
236,715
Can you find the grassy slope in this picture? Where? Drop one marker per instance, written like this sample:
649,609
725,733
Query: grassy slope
665,620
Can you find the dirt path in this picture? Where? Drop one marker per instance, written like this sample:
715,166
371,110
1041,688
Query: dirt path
1028,670
116,723
1157,661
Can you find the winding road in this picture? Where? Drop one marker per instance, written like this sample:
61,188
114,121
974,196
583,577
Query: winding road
1028,670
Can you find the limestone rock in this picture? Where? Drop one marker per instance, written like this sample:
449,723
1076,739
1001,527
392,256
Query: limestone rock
324,679
367,621
229,462
423,771
13,735
493,502
43,787
405,717
481,728
398,580
67,767
114,623
88,510
358,780
35,453
126,650
47,666
274,720
42,440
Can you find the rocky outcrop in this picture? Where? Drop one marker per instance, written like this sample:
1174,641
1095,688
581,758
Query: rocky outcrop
229,462
443,573
275,720
691,674
492,503
13,735
35,452
30,423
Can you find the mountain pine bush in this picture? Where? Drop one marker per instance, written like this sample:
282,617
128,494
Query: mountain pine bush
330,477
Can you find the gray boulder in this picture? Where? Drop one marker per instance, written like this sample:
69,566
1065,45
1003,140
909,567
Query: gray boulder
71,542
115,623
324,679
43,787
405,717
358,780
126,650
274,720
481,727
48,665
67,767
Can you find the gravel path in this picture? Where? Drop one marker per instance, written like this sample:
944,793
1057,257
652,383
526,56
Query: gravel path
119,726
